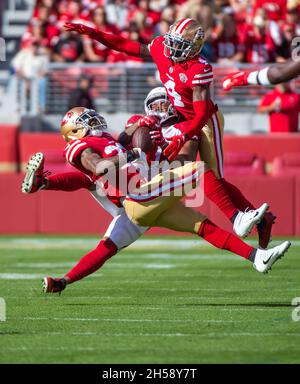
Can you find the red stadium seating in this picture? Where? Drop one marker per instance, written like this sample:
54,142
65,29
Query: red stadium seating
243,163
288,164
266,146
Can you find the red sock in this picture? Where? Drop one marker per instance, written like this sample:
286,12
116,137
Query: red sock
224,240
217,193
237,197
93,260
68,181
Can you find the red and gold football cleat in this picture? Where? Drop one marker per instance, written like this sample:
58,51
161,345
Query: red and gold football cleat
53,285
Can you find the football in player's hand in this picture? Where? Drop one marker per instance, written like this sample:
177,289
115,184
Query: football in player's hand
142,139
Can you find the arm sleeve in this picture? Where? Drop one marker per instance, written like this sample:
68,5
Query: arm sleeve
203,112
116,42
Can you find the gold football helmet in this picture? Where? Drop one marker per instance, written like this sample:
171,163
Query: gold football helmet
184,40
79,122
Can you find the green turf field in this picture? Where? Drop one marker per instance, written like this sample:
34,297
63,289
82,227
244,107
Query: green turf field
170,301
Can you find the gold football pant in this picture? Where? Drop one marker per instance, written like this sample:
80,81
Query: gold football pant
166,211
211,144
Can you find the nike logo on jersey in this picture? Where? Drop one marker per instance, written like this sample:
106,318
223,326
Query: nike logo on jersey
206,69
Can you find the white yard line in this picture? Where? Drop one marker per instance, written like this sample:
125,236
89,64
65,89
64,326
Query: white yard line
20,276
83,243
161,334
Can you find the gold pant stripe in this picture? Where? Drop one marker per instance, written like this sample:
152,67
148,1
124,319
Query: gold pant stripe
211,144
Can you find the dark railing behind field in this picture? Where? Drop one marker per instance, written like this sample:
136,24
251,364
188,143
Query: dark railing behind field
123,87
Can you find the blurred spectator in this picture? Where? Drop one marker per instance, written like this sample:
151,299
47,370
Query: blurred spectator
31,66
94,50
288,34
68,48
263,27
293,17
225,41
283,106
261,39
81,97
276,9
167,18
117,13
200,10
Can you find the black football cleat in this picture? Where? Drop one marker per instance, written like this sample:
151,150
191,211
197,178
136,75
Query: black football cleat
53,285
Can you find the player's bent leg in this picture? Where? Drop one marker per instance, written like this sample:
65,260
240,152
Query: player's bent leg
159,194
184,219
120,233
224,240
88,264
181,219
211,152
225,195
211,144
262,259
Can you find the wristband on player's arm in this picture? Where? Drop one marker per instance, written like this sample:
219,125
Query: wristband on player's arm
259,77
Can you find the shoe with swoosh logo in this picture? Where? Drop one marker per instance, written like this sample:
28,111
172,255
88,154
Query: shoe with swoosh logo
245,221
265,258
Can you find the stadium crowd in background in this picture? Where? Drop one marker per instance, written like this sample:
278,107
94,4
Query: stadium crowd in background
283,106
253,31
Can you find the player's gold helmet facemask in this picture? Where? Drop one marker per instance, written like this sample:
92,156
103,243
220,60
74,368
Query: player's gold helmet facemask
184,40
79,122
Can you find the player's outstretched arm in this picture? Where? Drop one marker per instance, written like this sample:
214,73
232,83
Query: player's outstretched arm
110,40
281,72
94,163
275,74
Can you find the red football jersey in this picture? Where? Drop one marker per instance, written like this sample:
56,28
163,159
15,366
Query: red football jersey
286,119
105,146
180,78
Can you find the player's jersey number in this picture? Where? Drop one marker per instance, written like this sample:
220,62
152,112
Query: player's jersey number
170,87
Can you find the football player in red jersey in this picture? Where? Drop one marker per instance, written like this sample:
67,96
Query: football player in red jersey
187,77
95,152
274,74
